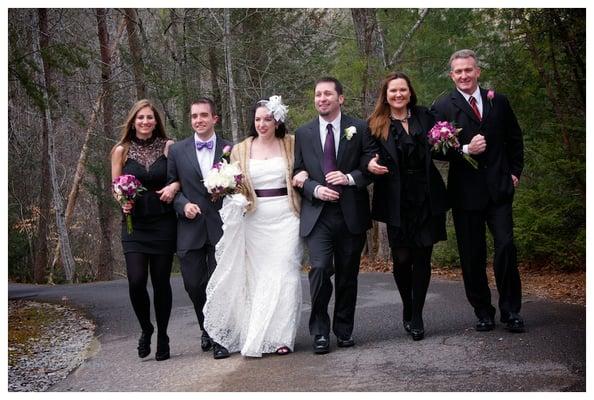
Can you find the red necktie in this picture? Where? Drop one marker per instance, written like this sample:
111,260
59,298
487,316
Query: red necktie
475,109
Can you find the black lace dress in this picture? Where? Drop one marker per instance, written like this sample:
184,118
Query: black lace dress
154,222
419,228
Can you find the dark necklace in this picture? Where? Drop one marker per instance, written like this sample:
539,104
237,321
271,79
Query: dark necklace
402,120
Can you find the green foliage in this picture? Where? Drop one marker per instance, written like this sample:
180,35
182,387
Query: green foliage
19,256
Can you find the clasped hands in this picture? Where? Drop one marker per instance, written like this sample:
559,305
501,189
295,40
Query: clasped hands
323,192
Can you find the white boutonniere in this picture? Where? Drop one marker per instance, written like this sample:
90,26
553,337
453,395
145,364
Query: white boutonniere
349,132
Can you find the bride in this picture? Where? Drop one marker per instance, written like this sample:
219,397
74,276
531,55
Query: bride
254,295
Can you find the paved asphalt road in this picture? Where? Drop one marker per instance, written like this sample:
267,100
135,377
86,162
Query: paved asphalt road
550,356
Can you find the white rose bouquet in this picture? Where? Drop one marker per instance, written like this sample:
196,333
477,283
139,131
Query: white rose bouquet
223,179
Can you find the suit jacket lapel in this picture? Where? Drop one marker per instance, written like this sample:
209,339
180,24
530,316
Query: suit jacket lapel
190,151
218,150
314,137
345,122
460,102
486,104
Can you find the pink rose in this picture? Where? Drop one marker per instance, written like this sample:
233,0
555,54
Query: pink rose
490,94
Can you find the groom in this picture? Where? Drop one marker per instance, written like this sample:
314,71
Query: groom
334,212
199,226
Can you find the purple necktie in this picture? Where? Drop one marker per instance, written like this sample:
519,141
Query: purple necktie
330,156
208,145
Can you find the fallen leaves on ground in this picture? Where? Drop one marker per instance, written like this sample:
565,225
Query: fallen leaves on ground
541,281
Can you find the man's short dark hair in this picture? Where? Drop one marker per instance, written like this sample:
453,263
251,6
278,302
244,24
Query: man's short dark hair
205,100
337,84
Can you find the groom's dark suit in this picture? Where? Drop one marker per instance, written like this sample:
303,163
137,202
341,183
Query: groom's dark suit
196,238
485,195
334,231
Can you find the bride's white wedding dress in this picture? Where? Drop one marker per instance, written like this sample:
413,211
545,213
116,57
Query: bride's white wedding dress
254,295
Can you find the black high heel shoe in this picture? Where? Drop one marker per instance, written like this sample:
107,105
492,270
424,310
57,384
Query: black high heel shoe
144,344
406,325
162,348
417,329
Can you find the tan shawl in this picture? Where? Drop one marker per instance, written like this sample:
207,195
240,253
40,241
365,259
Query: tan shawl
241,153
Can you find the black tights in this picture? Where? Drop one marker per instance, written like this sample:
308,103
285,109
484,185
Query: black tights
138,266
412,273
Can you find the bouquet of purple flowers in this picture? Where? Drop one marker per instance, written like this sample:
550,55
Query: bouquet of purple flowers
126,189
444,136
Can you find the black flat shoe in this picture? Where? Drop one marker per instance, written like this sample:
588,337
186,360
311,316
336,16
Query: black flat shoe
342,342
144,344
485,324
162,352
417,334
219,352
321,344
406,325
205,342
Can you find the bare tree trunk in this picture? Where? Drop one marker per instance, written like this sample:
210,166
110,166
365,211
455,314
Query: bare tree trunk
40,248
135,51
102,180
229,69
396,58
214,76
67,259
370,42
180,55
84,151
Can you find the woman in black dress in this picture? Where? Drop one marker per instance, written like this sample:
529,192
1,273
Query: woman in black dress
142,152
409,194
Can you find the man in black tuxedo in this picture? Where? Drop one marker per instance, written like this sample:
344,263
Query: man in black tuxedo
334,212
199,226
491,135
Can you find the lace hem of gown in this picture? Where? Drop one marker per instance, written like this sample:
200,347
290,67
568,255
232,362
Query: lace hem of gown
253,309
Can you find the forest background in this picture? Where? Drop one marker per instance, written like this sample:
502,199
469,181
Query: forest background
74,73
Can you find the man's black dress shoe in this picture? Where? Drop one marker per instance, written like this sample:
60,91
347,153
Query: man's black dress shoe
417,334
205,342
321,344
162,352
348,342
514,323
144,344
219,351
406,325
485,324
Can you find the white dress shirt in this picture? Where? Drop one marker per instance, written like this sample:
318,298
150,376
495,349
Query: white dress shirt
323,133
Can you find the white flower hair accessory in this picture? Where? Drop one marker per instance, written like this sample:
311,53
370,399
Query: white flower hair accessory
276,107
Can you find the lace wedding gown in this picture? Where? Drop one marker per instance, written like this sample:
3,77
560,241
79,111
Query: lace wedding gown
254,295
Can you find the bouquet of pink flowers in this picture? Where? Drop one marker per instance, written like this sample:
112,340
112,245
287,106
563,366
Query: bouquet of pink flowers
224,178
444,136
126,189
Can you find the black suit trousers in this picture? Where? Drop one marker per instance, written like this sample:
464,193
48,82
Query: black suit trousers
196,267
333,250
470,234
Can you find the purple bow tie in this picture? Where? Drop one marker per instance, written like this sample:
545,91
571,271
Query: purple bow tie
209,145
